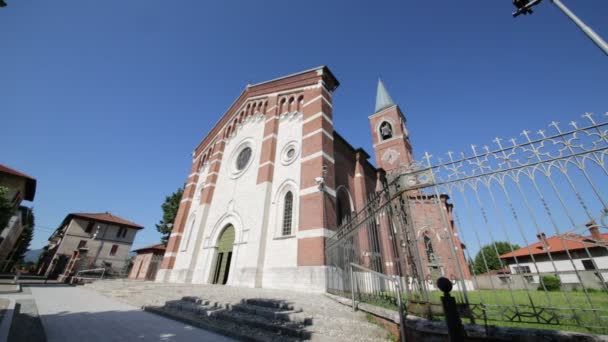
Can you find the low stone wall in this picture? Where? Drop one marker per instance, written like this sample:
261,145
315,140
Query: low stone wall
420,329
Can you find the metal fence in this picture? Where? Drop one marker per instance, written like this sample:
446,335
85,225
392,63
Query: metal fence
519,228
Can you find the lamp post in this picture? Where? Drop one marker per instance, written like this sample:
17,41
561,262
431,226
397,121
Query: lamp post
2,3
525,7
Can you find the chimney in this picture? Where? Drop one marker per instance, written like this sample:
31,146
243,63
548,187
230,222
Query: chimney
542,237
594,230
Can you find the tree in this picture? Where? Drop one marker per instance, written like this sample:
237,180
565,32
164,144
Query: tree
23,242
165,226
6,208
491,255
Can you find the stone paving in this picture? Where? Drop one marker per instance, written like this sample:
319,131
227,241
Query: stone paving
331,321
71,314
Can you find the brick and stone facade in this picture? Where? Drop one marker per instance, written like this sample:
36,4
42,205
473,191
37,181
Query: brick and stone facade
274,170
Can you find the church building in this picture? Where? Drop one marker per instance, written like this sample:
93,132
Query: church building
272,181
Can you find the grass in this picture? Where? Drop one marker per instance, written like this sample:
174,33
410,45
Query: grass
569,311
373,320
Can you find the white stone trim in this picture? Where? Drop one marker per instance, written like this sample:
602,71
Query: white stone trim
315,116
314,233
186,200
209,185
267,163
269,136
176,234
314,189
317,132
318,154
315,99
171,254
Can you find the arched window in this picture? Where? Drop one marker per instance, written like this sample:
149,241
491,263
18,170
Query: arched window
344,209
430,253
287,213
386,131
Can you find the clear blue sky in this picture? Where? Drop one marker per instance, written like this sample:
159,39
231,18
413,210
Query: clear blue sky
103,102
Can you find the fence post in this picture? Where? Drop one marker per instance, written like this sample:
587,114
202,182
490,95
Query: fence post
401,310
452,318
352,288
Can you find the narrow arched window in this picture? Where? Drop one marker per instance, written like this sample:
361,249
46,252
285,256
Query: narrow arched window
430,253
287,213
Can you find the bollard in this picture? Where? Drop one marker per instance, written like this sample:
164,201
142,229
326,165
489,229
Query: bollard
452,318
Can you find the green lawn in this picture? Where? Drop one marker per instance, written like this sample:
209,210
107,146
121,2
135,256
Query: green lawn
535,309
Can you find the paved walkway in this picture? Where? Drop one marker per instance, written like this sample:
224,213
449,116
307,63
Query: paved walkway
332,321
77,314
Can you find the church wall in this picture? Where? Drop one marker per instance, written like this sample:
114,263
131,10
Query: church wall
281,260
237,200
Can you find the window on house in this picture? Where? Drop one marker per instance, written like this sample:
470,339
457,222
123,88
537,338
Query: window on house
89,227
122,232
525,271
113,250
287,213
82,244
588,265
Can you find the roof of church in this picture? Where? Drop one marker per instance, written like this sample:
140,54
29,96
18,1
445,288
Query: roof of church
383,99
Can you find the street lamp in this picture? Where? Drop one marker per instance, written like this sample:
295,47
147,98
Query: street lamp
2,3
525,7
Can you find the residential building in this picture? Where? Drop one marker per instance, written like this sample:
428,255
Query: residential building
20,187
147,262
573,258
88,241
273,179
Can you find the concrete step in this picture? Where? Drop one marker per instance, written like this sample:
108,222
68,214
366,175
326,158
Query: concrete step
269,303
223,327
284,328
273,313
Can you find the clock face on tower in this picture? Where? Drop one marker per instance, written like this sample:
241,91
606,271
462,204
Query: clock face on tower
390,156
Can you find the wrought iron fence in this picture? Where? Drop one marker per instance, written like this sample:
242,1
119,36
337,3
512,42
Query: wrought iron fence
520,229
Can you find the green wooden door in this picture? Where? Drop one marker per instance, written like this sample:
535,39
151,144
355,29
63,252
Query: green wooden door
224,256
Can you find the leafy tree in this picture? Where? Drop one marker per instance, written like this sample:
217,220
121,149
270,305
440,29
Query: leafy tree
489,253
23,243
165,226
6,208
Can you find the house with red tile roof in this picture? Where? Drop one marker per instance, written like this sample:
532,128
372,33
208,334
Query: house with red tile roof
89,241
147,262
576,259
19,187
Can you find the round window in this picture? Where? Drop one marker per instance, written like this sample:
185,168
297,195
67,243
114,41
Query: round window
289,153
243,158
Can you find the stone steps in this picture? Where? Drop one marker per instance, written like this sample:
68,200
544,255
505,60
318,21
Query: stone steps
251,320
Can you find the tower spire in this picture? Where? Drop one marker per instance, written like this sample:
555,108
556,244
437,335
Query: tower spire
383,99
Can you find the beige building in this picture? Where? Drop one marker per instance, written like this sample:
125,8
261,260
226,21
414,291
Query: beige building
88,241
20,187
147,262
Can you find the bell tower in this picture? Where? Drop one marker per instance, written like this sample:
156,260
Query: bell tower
389,133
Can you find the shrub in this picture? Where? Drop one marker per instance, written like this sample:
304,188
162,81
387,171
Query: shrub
550,283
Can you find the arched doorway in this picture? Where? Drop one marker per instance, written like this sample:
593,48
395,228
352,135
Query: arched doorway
224,256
